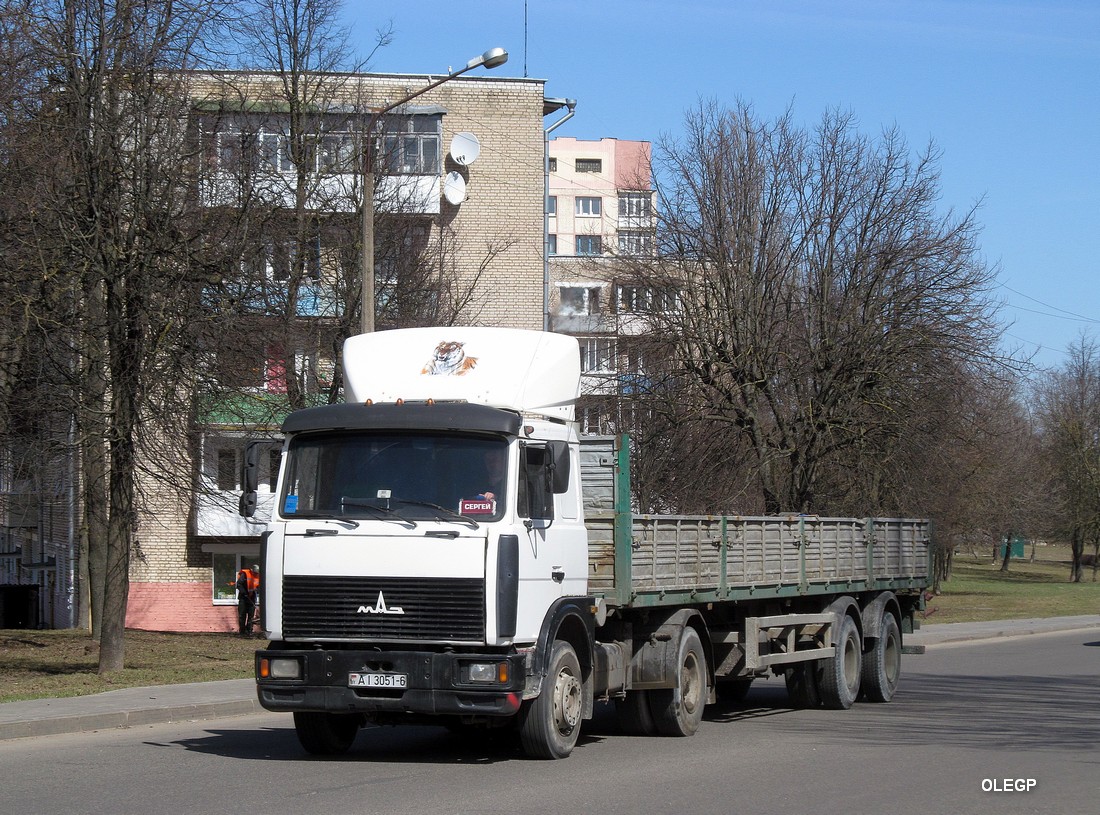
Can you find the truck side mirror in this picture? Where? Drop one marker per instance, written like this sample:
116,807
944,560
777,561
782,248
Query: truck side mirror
250,479
559,466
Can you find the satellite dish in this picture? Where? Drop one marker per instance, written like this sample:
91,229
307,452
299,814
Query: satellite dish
465,148
454,188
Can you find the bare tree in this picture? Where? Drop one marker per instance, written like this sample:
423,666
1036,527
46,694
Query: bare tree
1069,405
111,212
822,302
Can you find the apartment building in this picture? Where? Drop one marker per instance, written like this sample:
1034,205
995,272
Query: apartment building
460,168
600,214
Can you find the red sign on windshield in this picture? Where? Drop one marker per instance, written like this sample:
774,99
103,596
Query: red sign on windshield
476,506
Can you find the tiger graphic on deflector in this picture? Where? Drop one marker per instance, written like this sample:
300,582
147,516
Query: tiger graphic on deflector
449,359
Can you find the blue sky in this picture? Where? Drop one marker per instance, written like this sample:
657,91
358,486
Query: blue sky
1009,90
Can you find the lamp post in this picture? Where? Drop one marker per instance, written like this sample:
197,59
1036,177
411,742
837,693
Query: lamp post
492,58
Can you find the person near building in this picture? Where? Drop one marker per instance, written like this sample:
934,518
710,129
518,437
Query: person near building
248,595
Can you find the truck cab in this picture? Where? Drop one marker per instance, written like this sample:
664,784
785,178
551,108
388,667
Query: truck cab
424,532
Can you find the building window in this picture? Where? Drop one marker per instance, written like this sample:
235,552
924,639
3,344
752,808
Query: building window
411,145
551,244
276,260
274,459
597,354
226,566
552,205
589,245
275,152
337,153
223,460
633,242
589,165
227,469
553,164
635,205
230,150
588,206
579,300
641,299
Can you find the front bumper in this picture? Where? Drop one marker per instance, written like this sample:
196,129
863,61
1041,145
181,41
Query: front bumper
436,683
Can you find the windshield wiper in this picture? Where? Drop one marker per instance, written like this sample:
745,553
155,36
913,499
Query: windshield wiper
327,516
386,513
447,514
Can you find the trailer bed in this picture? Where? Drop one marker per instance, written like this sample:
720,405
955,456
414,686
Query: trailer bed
654,560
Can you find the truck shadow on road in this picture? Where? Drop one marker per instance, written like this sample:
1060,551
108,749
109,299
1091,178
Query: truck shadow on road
1057,713
397,745
1026,712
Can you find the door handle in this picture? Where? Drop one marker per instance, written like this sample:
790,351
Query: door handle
557,574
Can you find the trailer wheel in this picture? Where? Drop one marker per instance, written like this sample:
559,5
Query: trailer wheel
678,711
633,713
801,681
551,723
840,673
882,664
326,734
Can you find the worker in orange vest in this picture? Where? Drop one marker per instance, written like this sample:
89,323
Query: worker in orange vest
248,595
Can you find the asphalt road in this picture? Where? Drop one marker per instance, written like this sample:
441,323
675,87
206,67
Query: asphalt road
969,720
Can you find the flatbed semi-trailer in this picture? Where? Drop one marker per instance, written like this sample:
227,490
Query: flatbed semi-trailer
401,586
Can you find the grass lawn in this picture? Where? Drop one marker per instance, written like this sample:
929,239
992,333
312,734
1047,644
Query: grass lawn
39,664
978,589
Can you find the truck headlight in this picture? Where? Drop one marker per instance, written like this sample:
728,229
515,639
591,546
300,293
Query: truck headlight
487,672
280,668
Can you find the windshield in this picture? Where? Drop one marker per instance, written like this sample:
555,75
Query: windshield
395,477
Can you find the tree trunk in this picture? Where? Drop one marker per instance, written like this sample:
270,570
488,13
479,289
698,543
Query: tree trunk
93,458
1008,551
1077,546
125,352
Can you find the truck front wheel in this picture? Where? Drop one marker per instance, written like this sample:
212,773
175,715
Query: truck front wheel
326,734
551,723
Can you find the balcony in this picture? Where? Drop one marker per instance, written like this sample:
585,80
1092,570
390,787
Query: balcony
582,323
216,515
406,194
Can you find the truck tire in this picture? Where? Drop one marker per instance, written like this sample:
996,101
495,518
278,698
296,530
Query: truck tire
326,734
633,713
801,681
551,723
882,663
838,683
678,711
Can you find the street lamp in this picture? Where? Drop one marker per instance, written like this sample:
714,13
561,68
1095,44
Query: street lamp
492,58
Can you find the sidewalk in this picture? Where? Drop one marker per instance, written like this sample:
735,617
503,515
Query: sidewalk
131,707
128,707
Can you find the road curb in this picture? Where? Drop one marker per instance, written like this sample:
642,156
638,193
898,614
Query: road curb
128,707
83,723
944,633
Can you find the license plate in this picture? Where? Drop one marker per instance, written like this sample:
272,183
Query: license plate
377,680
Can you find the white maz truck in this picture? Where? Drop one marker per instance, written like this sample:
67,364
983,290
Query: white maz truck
445,549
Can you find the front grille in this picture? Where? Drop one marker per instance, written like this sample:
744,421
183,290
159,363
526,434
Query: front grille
365,608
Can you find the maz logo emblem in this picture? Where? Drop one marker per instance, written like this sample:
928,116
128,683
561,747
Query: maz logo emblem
380,607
